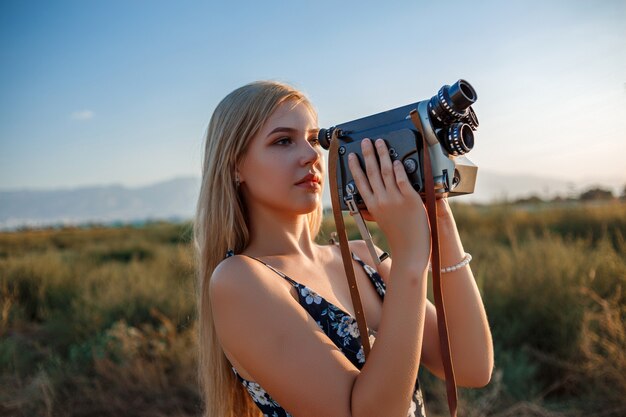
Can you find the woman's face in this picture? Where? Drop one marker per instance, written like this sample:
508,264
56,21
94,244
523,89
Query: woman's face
280,155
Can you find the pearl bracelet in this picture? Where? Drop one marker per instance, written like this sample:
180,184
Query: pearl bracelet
466,260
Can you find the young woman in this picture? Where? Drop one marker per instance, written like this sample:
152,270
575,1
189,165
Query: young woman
277,333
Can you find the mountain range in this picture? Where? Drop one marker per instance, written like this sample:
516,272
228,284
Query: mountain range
175,199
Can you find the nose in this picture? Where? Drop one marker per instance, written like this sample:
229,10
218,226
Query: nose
310,154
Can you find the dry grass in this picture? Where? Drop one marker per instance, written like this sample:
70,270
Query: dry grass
101,321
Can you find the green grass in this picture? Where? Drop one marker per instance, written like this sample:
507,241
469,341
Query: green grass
101,321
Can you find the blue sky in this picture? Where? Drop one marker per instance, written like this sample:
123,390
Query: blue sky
102,92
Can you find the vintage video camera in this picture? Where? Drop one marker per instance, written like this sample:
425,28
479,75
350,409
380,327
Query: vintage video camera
448,122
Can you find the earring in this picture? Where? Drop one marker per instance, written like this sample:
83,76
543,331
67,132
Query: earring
237,182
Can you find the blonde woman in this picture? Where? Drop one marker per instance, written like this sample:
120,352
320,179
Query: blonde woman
277,333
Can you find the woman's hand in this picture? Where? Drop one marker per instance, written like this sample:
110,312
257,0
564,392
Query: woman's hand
443,210
391,200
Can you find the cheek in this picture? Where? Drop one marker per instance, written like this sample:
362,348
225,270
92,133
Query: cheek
258,163
269,171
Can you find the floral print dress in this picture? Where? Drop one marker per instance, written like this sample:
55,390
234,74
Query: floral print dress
340,327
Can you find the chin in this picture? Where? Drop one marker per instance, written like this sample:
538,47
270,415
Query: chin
309,208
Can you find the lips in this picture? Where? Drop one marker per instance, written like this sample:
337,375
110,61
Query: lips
316,178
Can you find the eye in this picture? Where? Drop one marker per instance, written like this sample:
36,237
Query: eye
282,141
315,141
287,140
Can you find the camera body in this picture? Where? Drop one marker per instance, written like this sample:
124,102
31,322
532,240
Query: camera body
448,122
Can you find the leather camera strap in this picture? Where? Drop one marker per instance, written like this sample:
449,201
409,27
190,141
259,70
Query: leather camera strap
343,245
431,209
442,325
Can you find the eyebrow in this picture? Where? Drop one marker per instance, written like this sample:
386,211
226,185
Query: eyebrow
290,130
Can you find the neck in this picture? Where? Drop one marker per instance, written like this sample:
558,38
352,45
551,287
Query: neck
275,233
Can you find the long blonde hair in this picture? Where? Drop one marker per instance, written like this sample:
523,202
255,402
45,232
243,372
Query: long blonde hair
221,224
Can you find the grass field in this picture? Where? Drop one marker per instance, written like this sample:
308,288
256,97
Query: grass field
101,321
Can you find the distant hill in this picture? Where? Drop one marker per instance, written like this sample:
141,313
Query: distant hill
175,199
171,200
492,186
497,187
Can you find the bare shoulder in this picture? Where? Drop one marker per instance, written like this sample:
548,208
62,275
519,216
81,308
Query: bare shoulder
275,341
243,284
234,274
243,291
231,280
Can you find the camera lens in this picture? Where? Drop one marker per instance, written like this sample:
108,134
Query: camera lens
324,135
451,103
458,138
462,95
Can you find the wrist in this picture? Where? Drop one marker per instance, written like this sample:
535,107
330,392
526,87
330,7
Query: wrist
467,258
445,221
415,260
450,246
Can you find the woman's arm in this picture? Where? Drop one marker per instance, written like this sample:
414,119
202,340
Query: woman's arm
471,345
470,337
279,344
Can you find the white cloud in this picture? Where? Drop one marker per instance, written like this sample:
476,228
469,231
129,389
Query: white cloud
82,115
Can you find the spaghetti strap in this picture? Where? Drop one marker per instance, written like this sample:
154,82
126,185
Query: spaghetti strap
372,274
294,283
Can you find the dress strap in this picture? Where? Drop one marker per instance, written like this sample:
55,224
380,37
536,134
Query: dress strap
294,283
379,285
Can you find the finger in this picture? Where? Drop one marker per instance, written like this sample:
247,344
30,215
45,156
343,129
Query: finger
371,166
402,180
386,168
359,178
